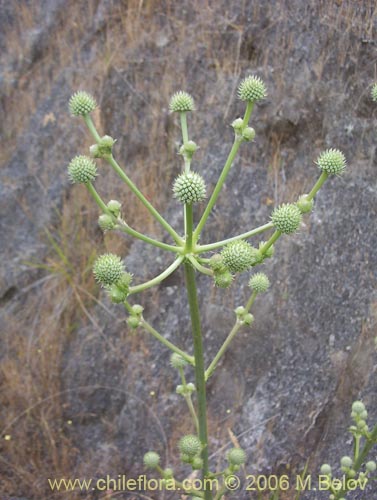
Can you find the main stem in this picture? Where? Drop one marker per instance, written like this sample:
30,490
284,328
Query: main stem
199,370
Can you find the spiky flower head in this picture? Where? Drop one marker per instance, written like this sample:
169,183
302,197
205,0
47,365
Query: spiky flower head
286,218
358,407
373,92
180,102
252,88
238,256
189,187
236,456
108,269
190,445
223,279
331,161
82,170
81,103
259,283
177,361
151,459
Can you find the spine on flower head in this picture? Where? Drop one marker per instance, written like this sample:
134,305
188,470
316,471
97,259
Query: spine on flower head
81,103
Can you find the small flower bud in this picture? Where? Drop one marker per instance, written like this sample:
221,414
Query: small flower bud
133,322
114,206
259,283
94,151
189,187
346,462
81,103
151,459
104,147
351,473
373,92
370,466
236,456
190,387
331,161
238,125
326,469
168,473
137,309
106,222
181,102
286,218
124,282
186,459
248,319
197,463
252,88
216,263
108,269
188,149
248,134
223,279
237,256
190,445
358,407
305,206
240,311
180,389
82,170
177,361
117,295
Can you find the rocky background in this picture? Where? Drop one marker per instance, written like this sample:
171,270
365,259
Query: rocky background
81,396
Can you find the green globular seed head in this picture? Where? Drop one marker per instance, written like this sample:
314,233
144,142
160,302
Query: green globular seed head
181,102
248,319
105,222
358,407
304,204
286,218
117,295
326,469
236,456
190,445
81,103
216,263
82,170
370,466
346,462
252,88
248,134
133,322
197,463
151,459
259,283
373,92
114,206
177,361
238,256
331,161
108,269
189,187
223,279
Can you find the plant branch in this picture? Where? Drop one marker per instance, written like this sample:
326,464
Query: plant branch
189,401
155,281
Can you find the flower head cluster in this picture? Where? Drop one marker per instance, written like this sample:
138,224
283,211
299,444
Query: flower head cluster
286,218
331,161
189,187
252,88
238,256
82,170
259,283
181,102
108,269
81,103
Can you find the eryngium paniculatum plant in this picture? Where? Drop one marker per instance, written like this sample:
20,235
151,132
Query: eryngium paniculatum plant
221,261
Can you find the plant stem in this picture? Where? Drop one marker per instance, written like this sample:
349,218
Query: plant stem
110,159
199,267
188,226
184,127
212,246
223,175
155,281
270,242
189,401
149,328
199,369
317,186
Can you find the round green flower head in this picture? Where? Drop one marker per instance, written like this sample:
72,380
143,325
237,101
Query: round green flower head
177,361
81,103
223,279
189,187
108,269
236,456
259,283
190,445
373,92
238,256
151,459
371,466
216,263
326,469
358,407
252,88
181,102
346,462
105,222
286,218
331,161
82,170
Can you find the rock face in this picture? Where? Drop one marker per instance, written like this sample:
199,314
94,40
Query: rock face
74,380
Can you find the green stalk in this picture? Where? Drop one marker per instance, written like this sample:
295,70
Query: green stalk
199,267
189,227
212,246
317,186
199,369
122,226
110,159
155,281
189,401
223,175
184,127
270,242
